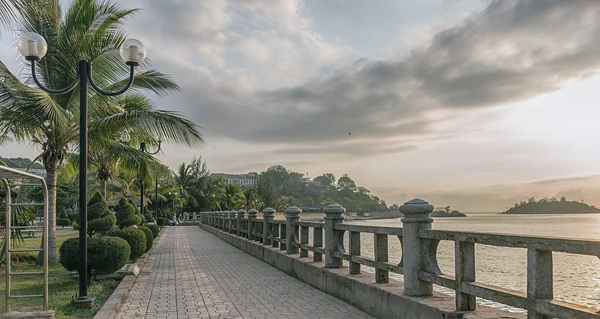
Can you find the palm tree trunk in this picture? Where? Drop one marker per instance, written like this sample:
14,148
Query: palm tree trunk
51,183
103,188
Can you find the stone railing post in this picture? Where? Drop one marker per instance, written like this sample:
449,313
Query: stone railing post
292,214
252,213
240,219
333,238
232,221
414,249
268,215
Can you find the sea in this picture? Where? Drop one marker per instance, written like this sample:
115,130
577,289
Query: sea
576,277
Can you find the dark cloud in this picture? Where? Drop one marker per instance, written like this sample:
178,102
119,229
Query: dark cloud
513,50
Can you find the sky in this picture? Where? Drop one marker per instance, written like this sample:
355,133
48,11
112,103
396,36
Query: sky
473,104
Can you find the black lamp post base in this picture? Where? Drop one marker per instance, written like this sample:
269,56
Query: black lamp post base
83,302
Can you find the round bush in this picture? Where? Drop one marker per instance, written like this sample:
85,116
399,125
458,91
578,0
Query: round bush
105,254
155,230
149,218
75,226
63,222
161,221
103,224
134,237
101,219
69,254
149,236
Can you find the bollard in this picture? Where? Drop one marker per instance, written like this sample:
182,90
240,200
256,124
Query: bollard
268,215
333,238
414,249
292,214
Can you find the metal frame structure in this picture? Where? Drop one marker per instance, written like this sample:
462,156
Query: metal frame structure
17,178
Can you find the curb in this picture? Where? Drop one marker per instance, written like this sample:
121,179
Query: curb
113,303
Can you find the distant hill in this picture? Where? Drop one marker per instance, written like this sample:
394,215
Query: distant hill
20,162
551,206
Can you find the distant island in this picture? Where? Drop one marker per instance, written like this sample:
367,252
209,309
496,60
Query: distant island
446,212
551,206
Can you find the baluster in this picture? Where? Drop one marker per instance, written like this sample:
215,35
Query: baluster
283,237
539,280
354,251
275,234
291,216
303,241
317,242
381,255
232,221
266,231
464,265
333,215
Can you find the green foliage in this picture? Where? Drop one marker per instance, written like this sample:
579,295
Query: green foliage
63,222
20,162
149,218
132,203
161,221
105,254
155,230
126,214
75,226
149,236
551,206
63,214
101,219
134,237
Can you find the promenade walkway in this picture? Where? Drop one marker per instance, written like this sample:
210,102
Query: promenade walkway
193,274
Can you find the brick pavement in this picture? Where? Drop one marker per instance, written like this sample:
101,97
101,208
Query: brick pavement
193,274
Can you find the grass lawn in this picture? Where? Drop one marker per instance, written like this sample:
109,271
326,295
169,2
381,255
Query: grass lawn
62,285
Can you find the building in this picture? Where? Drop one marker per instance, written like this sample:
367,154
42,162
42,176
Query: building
250,179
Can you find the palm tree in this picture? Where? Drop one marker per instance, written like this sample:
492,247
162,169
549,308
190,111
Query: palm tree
232,196
88,29
250,197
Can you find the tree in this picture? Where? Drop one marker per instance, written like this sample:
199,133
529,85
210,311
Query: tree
91,30
250,198
232,196
266,192
325,180
346,183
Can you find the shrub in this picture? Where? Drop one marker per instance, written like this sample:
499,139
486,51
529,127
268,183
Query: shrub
135,238
63,222
132,203
161,221
63,214
149,218
101,219
105,254
149,236
155,230
75,226
126,214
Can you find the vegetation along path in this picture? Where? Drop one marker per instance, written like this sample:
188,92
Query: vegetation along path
193,274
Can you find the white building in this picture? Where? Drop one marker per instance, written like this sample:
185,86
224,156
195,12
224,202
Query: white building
250,179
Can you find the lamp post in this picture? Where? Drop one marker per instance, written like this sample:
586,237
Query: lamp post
156,198
33,47
143,149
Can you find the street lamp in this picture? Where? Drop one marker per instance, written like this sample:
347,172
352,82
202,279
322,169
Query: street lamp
143,149
33,47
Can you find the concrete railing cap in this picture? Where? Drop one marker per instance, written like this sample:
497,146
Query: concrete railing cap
416,206
292,210
241,211
334,208
252,211
268,210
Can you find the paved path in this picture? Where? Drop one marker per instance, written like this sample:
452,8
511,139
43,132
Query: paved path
193,274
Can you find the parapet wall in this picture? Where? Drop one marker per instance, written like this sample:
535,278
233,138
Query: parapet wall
380,300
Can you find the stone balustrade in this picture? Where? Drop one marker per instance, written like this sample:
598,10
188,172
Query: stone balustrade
418,264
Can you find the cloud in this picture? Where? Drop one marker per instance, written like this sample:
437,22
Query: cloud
511,51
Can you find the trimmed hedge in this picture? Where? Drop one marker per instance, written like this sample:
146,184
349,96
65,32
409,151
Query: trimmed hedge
101,219
63,222
75,226
126,214
161,221
155,230
149,236
149,218
135,238
105,254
